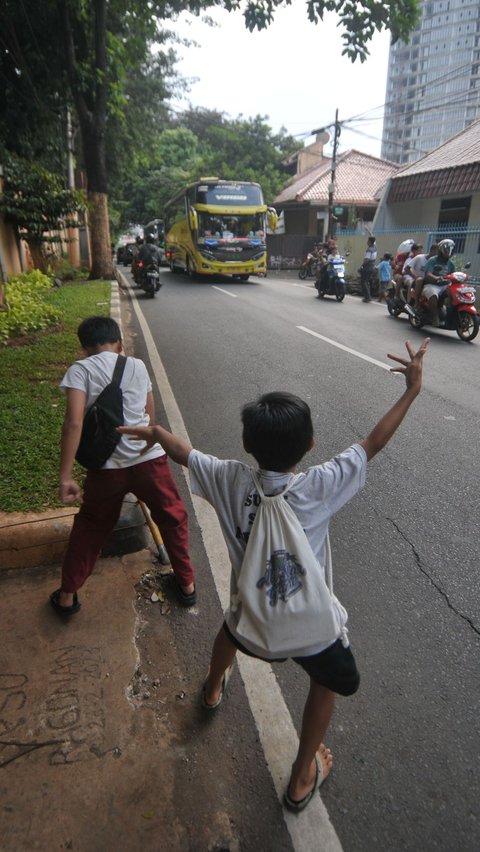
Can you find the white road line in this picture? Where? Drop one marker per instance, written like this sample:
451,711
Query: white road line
312,830
304,286
227,293
346,348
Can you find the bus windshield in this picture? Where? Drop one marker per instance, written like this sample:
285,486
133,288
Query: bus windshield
248,226
224,195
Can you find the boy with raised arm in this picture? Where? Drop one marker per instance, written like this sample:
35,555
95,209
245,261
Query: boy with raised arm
278,432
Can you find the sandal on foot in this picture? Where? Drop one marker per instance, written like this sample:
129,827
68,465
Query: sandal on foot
296,806
225,679
64,610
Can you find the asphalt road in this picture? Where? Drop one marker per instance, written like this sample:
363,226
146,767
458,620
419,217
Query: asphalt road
405,551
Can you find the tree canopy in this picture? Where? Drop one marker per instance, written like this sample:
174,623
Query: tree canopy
96,57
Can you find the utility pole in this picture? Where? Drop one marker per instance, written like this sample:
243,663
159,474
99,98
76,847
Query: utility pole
331,188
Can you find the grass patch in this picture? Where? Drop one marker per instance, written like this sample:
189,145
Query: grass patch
32,406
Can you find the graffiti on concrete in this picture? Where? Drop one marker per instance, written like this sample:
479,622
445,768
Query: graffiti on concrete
72,714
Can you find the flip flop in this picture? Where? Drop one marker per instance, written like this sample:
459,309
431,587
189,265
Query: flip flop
225,679
296,806
64,610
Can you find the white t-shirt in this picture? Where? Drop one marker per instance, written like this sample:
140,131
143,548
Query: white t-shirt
417,265
317,495
92,375
371,254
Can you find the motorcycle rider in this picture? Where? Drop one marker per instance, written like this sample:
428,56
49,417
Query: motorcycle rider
150,256
136,249
404,278
417,270
436,269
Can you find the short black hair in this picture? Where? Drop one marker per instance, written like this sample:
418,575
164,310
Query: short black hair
96,331
277,430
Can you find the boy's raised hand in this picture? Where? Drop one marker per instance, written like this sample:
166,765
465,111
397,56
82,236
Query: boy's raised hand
412,367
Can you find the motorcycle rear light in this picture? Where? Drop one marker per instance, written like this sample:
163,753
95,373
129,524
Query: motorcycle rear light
140,264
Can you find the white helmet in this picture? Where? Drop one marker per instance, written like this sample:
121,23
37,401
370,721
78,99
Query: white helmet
447,247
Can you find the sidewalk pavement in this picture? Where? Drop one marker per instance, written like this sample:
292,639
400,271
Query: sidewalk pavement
91,753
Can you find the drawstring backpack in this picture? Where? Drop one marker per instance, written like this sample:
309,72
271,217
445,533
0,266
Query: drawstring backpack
284,607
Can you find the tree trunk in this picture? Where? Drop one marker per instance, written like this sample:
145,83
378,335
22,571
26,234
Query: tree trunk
100,235
38,258
91,105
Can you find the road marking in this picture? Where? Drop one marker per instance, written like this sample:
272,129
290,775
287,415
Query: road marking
305,286
227,293
345,348
274,724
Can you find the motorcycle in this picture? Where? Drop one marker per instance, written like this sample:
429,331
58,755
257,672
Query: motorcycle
404,304
456,307
309,267
148,278
330,280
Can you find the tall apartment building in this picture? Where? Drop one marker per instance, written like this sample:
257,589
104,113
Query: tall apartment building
433,84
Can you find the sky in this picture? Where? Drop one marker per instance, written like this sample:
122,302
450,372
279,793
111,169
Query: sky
293,72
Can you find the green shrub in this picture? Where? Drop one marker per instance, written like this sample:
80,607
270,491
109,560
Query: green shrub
62,268
26,312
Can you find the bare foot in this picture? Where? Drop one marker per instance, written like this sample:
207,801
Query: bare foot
65,598
301,786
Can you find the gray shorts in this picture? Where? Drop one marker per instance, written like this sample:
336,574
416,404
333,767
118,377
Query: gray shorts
433,290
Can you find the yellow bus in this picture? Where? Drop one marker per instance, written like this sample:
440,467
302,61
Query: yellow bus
218,227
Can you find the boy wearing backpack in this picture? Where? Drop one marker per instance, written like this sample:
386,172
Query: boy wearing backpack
147,475
278,432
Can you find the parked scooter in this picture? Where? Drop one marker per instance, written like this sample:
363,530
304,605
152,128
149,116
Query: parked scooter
330,279
456,307
148,278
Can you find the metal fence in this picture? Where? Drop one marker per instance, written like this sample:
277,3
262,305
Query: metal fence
287,251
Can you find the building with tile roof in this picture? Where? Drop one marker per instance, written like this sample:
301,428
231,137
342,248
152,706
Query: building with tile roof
440,194
359,181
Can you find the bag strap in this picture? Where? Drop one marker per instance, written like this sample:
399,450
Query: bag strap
118,371
262,495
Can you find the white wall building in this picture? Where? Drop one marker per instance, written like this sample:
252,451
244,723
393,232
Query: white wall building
433,84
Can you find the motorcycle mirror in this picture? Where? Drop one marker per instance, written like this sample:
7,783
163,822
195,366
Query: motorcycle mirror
467,265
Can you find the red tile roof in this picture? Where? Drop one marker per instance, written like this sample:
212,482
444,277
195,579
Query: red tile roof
359,179
453,167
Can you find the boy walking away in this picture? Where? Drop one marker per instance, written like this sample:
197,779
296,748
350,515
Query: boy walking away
147,475
278,432
384,276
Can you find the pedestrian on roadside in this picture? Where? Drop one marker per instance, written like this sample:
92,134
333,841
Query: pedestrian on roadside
384,269
147,475
278,432
367,269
